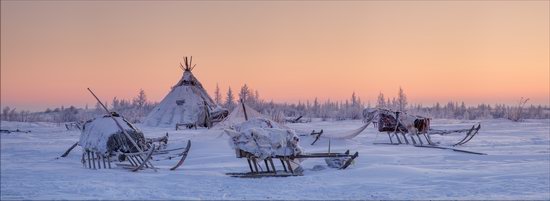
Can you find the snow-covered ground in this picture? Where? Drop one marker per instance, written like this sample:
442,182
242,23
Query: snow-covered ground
517,167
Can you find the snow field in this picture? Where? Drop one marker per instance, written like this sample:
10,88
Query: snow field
517,167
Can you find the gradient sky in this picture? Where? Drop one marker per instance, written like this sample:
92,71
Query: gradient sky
487,51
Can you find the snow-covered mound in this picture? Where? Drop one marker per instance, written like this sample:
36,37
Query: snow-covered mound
264,138
99,134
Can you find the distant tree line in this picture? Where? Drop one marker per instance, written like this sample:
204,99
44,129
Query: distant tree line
134,110
137,108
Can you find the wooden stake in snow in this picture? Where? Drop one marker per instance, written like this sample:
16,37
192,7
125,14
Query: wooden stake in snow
244,110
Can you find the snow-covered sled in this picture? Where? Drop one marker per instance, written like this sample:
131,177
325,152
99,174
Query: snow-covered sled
112,139
261,139
396,123
103,143
290,165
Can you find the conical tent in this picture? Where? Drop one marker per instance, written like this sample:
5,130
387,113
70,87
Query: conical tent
241,113
187,103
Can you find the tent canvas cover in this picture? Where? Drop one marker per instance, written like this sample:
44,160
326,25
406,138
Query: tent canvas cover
186,103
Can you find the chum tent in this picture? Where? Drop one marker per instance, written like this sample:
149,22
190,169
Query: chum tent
187,103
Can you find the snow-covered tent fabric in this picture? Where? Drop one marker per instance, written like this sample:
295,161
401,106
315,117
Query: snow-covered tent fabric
238,116
186,103
103,135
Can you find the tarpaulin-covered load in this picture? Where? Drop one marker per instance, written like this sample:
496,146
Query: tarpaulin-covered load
103,135
264,138
407,122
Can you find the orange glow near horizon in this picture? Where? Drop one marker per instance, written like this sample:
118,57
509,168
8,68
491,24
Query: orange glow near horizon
476,52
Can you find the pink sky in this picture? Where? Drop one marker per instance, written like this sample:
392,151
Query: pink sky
477,52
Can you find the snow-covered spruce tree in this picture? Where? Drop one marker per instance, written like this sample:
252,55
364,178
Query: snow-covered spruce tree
401,102
138,107
217,95
356,107
381,101
315,109
140,100
5,113
245,94
229,100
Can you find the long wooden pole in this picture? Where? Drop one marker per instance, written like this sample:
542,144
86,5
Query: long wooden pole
244,110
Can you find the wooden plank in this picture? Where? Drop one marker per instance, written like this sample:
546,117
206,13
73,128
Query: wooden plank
93,160
272,165
98,161
109,160
104,165
89,164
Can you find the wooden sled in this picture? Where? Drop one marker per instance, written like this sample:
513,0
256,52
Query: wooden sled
413,130
289,167
134,160
127,149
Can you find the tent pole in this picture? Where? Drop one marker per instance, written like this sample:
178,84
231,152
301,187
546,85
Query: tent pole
244,110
